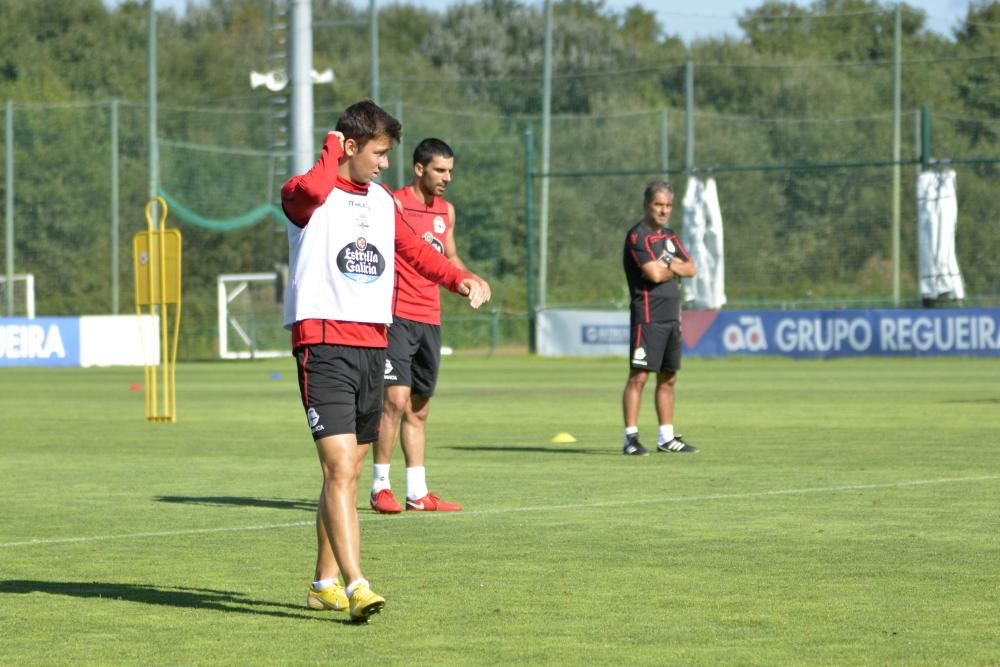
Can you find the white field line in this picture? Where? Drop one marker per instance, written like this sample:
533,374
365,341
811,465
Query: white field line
511,510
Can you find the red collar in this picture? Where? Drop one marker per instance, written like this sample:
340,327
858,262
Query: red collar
348,185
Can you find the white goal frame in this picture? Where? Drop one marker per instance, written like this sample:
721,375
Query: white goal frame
230,286
29,292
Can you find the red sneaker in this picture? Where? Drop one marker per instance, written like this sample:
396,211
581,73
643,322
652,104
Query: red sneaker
431,503
384,502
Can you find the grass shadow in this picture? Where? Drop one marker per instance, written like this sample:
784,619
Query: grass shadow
169,596
536,449
240,501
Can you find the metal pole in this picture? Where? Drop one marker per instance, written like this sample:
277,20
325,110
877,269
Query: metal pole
495,330
300,78
529,215
543,224
689,115
114,206
9,212
154,173
154,149
400,155
664,144
222,325
897,71
925,137
373,28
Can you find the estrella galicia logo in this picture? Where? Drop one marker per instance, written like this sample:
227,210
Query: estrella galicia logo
361,261
430,238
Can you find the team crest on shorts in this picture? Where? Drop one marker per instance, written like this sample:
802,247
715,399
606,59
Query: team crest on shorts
313,417
361,261
639,356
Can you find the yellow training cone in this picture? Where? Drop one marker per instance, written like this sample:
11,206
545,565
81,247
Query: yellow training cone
563,437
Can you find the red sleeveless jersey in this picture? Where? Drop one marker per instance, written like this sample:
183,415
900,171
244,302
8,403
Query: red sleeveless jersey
417,298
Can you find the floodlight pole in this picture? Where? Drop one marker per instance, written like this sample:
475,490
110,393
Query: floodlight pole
373,44
154,149
300,79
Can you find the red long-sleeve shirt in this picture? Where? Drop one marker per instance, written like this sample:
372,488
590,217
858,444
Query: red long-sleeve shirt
301,196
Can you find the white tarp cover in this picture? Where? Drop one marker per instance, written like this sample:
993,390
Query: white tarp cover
119,340
937,217
702,237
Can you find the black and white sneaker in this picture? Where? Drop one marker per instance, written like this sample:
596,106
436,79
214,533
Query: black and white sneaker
677,446
633,447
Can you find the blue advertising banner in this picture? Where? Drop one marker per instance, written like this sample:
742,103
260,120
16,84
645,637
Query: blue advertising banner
46,341
806,334
844,333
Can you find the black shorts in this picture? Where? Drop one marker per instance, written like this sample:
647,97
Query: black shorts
341,388
414,356
656,347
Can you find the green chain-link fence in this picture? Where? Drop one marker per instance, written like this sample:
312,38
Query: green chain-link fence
805,191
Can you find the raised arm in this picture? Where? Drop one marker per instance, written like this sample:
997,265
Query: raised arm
301,195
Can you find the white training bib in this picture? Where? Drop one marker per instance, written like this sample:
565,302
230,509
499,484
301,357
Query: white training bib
341,264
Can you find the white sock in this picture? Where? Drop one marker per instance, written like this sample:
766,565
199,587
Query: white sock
323,583
354,584
416,482
666,433
380,477
630,430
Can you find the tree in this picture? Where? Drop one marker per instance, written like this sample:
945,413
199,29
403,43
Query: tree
496,49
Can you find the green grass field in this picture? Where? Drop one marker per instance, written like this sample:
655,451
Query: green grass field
839,513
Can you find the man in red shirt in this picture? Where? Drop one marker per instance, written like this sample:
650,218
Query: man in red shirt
344,234
414,354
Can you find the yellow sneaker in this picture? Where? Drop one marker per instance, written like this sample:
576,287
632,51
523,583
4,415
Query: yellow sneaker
331,597
365,602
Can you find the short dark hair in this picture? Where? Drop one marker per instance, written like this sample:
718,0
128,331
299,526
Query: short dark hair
430,148
652,188
365,120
